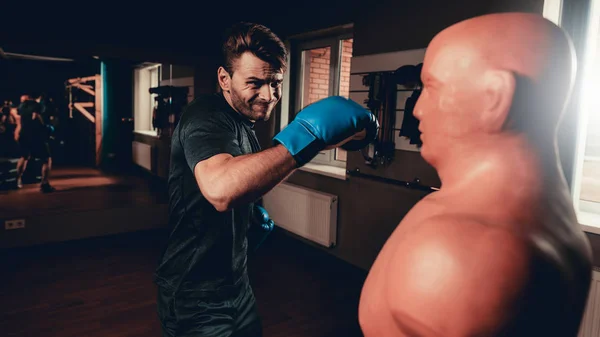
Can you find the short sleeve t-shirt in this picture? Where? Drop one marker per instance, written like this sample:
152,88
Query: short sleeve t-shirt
206,248
5,110
31,129
26,110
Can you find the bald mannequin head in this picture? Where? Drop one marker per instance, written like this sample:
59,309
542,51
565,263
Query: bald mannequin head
491,75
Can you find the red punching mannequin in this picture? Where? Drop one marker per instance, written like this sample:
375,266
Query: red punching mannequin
498,250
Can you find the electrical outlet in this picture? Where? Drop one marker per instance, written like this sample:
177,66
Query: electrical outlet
14,224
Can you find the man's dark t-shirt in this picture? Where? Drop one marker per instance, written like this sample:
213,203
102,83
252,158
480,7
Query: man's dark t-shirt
206,248
31,129
26,110
5,110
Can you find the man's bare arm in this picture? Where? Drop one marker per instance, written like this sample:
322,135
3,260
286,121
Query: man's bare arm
17,118
226,181
39,118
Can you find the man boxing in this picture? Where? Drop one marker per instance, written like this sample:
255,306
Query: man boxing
498,250
32,135
217,173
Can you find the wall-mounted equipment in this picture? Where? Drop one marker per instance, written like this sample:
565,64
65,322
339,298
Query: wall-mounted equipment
169,104
409,77
382,101
415,184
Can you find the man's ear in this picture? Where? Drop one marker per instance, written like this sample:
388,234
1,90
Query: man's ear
499,93
224,79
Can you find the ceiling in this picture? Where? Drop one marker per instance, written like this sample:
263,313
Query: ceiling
185,34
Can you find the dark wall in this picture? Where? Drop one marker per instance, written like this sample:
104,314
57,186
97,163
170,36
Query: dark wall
368,212
67,226
176,71
595,243
117,127
205,77
404,25
25,76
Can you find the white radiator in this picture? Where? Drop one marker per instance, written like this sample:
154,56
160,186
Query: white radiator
308,213
142,154
590,325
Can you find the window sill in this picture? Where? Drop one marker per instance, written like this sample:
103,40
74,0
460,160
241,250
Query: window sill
146,133
590,222
326,170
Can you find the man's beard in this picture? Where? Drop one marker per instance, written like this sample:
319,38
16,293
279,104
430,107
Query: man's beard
246,108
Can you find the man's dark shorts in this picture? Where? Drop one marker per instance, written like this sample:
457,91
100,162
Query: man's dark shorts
229,311
30,147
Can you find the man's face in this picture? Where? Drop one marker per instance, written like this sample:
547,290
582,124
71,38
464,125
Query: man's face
451,99
255,87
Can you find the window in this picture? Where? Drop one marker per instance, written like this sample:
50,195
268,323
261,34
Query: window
145,77
321,68
586,183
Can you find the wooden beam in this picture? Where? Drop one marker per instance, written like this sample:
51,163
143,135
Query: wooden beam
85,88
99,114
70,103
79,85
84,112
82,79
96,91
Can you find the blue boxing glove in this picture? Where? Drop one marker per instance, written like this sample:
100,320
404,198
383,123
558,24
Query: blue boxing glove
327,122
262,217
261,226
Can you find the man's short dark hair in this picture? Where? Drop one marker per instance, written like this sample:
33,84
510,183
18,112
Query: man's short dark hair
257,39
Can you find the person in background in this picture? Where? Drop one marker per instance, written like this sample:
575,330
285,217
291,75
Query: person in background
32,136
7,125
5,112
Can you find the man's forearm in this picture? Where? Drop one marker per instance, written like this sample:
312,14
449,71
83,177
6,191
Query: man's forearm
40,119
248,177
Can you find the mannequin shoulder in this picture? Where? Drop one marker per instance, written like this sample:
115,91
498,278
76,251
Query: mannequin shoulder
456,276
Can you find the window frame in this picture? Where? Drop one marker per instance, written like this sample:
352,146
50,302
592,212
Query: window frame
578,19
588,212
149,69
333,39
154,74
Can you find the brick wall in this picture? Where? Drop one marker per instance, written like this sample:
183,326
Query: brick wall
319,63
345,71
319,74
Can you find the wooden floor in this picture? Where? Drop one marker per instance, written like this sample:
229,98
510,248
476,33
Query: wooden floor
78,189
103,287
